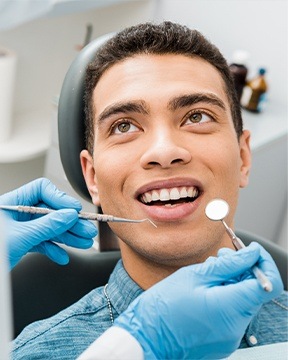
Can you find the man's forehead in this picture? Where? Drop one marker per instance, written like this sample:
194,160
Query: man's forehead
134,75
148,60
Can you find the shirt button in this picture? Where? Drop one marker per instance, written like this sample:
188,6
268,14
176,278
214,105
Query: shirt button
253,340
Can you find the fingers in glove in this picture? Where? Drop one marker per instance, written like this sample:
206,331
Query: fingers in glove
47,227
265,263
43,190
269,268
249,285
229,265
74,241
57,199
53,252
63,226
84,228
225,251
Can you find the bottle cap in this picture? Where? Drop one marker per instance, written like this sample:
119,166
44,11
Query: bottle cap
262,71
240,57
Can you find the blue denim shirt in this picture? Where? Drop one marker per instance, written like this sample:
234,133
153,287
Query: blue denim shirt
67,334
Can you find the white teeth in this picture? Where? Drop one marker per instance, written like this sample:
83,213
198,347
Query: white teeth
183,193
155,195
164,195
190,192
174,194
169,194
148,197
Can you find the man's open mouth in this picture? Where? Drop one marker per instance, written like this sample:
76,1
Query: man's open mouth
170,197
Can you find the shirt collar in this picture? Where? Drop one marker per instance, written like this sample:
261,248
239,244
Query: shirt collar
121,289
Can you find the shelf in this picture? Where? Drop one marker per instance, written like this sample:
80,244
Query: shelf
30,138
266,127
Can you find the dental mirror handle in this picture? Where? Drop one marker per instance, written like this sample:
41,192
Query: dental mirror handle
259,275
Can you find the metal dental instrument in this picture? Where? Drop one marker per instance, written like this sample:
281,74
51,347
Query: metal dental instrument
81,214
217,210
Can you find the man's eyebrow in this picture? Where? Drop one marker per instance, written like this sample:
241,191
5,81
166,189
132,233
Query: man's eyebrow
124,107
191,99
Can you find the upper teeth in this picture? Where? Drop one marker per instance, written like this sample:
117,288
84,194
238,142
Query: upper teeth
169,194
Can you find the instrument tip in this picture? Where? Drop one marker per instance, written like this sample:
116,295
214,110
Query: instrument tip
151,222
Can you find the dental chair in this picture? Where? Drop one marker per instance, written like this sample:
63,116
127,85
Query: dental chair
41,288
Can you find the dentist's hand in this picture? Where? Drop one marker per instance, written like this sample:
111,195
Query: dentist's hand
31,233
201,311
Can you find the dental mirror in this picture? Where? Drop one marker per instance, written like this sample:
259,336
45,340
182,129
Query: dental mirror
217,209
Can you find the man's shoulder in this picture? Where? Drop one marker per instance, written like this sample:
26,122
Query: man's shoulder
273,319
276,306
69,329
269,326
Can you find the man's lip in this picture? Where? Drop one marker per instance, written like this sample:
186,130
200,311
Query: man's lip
177,212
168,184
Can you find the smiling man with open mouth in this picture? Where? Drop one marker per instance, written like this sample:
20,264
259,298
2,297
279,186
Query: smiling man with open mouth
164,145
164,138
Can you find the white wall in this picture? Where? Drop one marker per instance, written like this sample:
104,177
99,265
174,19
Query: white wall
45,49
260,27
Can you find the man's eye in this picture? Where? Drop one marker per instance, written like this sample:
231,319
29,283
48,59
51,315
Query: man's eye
198,117
124,127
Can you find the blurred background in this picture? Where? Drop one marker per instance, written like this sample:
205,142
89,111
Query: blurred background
40,38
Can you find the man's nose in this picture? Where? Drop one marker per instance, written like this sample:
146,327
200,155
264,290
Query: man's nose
165,150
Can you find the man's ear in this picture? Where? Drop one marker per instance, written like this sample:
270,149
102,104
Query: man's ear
245,155
90,176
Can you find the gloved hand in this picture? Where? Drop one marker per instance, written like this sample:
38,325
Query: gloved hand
31,233
201,311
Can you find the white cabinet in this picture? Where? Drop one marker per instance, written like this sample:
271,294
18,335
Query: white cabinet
263,204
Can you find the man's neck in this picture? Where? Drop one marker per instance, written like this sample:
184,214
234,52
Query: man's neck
144,272
147,272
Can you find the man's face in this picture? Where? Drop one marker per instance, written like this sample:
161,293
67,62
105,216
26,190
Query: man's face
165,146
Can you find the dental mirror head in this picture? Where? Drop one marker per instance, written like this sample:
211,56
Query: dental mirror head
217,209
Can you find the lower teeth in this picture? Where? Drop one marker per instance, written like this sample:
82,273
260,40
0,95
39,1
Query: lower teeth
170,205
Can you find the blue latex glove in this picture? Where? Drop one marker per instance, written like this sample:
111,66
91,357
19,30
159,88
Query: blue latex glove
31,233
201,311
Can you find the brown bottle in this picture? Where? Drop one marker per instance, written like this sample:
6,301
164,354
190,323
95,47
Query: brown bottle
239,71
254,92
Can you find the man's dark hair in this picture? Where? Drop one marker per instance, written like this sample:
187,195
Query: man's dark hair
157,39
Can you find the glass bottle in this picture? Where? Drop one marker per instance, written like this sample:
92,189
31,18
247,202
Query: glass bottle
239,70
254,92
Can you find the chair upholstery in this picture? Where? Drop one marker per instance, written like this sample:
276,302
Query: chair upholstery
71,129
41,288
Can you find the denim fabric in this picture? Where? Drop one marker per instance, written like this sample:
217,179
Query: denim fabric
67,334
270,325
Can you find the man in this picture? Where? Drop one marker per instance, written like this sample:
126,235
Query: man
164,137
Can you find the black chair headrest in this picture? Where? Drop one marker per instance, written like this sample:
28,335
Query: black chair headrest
71,129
